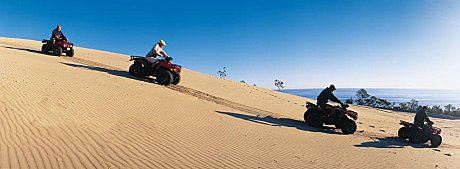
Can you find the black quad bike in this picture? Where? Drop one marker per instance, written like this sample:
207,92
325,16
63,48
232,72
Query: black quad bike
58,48
334,115
415,133
165,72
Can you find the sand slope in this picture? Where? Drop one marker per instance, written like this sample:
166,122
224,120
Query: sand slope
87,112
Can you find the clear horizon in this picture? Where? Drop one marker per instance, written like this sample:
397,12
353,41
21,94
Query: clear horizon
307,44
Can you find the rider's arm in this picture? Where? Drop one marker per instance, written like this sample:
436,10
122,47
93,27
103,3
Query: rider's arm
53,33
151,53
160,51
163,53
334,99
426,118
62,35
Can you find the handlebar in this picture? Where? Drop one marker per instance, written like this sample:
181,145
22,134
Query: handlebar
344,105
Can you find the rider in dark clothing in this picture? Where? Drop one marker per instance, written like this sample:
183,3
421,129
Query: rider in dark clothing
57,34
325,96
421,118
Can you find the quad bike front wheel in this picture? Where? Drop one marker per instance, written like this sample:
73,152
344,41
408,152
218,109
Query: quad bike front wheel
164,77
70,52
435,141
348,126
176,79
57,51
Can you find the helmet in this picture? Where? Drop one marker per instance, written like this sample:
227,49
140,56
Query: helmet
162,42
332,87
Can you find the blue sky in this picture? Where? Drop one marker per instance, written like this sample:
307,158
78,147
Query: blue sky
306,44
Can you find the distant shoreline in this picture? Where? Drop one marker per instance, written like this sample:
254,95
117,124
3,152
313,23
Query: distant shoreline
430,97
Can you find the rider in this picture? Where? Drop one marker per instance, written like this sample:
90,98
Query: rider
421,118
325,96
156,51
57,35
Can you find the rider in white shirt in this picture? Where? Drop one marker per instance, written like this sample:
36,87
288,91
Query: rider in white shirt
156,53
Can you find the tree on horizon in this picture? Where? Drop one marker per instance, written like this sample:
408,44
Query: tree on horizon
279,84
362,96
449,108
413,105
349,101
222,73
436,109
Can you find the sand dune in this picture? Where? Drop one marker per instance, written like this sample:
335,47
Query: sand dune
87,112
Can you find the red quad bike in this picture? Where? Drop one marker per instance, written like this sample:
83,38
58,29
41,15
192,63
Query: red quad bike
416,135
335,115
59,47
165,72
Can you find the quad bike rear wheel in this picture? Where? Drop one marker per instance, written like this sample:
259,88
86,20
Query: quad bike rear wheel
403,133
164,77
134,69
315,118
348,126
45,48
435,141
57,51
305,116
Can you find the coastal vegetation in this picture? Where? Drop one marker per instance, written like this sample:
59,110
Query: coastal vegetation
365,99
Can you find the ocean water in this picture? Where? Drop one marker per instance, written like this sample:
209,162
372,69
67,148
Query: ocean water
424,96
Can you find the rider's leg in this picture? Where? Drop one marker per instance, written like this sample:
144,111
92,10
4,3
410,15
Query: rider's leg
322,107
152,60
155,65
325,108
426,130
53,40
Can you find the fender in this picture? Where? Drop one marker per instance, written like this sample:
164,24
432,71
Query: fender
141,61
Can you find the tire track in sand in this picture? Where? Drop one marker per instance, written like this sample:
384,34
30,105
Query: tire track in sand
188,91
200,153
203,154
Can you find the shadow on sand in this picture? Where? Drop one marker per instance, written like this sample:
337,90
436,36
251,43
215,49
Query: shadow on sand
24,49
390,142
110,71
281,122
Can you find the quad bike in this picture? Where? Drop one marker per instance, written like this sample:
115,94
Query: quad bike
59,47
165,72
334,115
415,133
